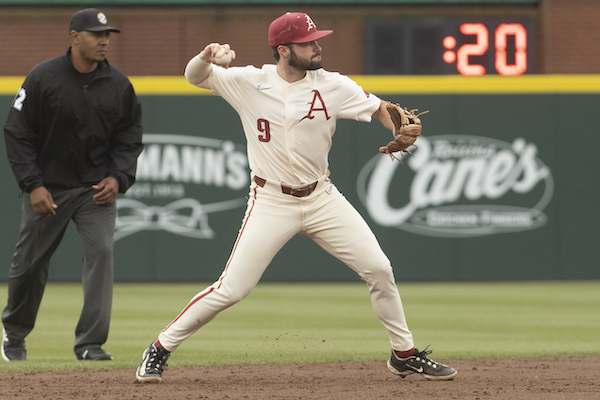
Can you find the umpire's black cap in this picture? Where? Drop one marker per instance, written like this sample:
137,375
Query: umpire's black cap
92,20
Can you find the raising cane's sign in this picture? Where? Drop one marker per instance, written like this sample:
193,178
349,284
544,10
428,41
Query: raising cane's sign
459,186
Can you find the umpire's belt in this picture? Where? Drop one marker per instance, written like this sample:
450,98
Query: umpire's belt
297,192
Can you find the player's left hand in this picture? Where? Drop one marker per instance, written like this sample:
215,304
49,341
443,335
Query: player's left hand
407,128
108,187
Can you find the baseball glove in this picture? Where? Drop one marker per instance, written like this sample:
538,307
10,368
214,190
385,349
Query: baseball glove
407,128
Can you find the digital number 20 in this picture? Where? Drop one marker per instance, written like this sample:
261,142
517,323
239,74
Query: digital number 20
481,46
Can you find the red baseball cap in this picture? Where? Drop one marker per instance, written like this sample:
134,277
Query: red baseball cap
294,28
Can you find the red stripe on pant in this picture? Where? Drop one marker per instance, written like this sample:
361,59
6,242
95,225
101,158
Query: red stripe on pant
212,288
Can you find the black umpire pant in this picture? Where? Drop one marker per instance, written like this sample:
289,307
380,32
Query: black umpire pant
39,237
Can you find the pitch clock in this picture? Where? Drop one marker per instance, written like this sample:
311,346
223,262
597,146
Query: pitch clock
437,46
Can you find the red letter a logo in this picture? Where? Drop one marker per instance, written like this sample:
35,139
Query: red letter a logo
316,96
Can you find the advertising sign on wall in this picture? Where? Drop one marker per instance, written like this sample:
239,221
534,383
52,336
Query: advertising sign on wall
461,187
173,174
490,194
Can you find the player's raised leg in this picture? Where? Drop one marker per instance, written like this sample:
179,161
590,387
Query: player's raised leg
262,229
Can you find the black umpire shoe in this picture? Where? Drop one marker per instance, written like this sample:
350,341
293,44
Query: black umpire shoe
154,361
94,354
13,350
419,363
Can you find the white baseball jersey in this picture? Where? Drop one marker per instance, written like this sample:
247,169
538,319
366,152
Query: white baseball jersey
289,127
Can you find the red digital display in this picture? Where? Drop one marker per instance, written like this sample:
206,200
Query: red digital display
501,34
434,46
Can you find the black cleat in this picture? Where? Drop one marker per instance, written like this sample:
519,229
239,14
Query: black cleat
94,354
13,350
419,363
154,361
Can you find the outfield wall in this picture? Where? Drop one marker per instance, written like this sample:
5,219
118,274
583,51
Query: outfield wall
502,186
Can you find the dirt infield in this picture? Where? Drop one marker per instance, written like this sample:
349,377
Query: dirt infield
523,379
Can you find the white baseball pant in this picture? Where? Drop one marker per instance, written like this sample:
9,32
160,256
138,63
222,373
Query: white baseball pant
272,218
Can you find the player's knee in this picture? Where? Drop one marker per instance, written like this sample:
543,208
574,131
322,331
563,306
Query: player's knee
377,270
237,293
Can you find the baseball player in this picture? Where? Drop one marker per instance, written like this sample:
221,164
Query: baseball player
289,113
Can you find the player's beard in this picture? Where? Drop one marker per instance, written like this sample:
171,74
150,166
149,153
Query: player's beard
304,65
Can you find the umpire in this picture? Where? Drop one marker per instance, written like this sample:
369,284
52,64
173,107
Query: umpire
73,135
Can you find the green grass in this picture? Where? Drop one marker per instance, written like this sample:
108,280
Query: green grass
305,323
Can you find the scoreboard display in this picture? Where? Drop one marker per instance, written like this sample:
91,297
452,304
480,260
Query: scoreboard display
439,46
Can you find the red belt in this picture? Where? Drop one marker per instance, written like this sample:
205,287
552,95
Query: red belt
297,192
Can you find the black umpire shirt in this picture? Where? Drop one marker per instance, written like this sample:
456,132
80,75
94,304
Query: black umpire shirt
66,129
